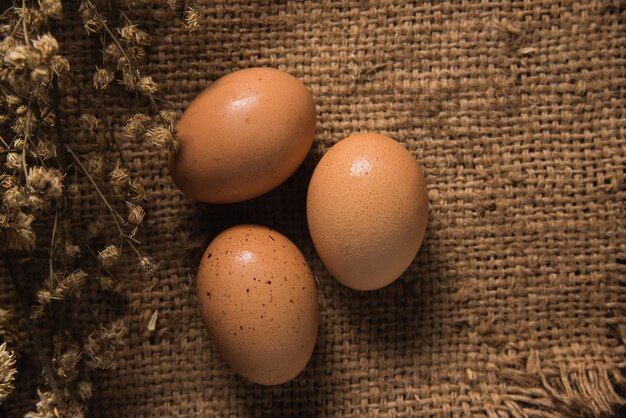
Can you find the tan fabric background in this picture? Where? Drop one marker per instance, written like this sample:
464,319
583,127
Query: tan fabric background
515,305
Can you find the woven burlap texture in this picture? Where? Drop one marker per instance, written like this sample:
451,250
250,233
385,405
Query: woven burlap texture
515,303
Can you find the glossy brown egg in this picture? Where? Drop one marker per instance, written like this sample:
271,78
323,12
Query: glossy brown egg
243,136
367,210
258,300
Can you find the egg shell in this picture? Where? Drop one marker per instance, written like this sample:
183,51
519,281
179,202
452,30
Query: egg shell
258,301
243,136
367,210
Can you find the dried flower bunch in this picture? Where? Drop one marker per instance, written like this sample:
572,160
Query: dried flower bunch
40,176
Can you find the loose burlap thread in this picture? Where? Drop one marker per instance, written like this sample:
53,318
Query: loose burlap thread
515,304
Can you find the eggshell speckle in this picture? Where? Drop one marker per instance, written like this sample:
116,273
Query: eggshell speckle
243,136
367,210
258,300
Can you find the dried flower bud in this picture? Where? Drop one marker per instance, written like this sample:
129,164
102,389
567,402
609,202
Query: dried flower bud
102,78
169,117
137,191
67,363
162,137
71,251
137,125
174,4
45,149
47,45
131,33
18,57
84,390
41,75
51,8
135,214
92,20
106,283
60,65
15,198
191,19
46,183
147,85
46,406
95,228
89,122
111,54
130,78
148,265
102,345
7,371
14,161
96,165
109,256
16,233
12,100
136,52
119,179
73,189
7,181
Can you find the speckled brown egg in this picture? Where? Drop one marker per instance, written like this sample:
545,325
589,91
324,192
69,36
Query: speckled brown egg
258,300
243,136
367,210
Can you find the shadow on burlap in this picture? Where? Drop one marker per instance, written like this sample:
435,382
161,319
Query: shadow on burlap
514,305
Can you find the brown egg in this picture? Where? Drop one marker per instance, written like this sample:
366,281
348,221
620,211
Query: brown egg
258,300
243,136
367,209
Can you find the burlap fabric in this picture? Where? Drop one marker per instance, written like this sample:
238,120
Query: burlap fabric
515,305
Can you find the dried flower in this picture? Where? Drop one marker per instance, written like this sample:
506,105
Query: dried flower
174,4
69,284
102,78
93,21
46,45
71,251
7,371
51,8
148,265
119,179
191,19
67,362
47,183
132,34
45,149
135,214
109,256
89,122
147,85
162,137
137,125
46,406
60,65
106,282
16,232
95,228
84,390
96,165
136,190
102,345
14,161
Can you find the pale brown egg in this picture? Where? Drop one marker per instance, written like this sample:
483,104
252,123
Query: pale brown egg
367,210
258,301
243,136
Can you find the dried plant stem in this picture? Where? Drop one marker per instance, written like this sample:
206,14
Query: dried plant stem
131,62
52,245
46,362
117,218
26,39
107,128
